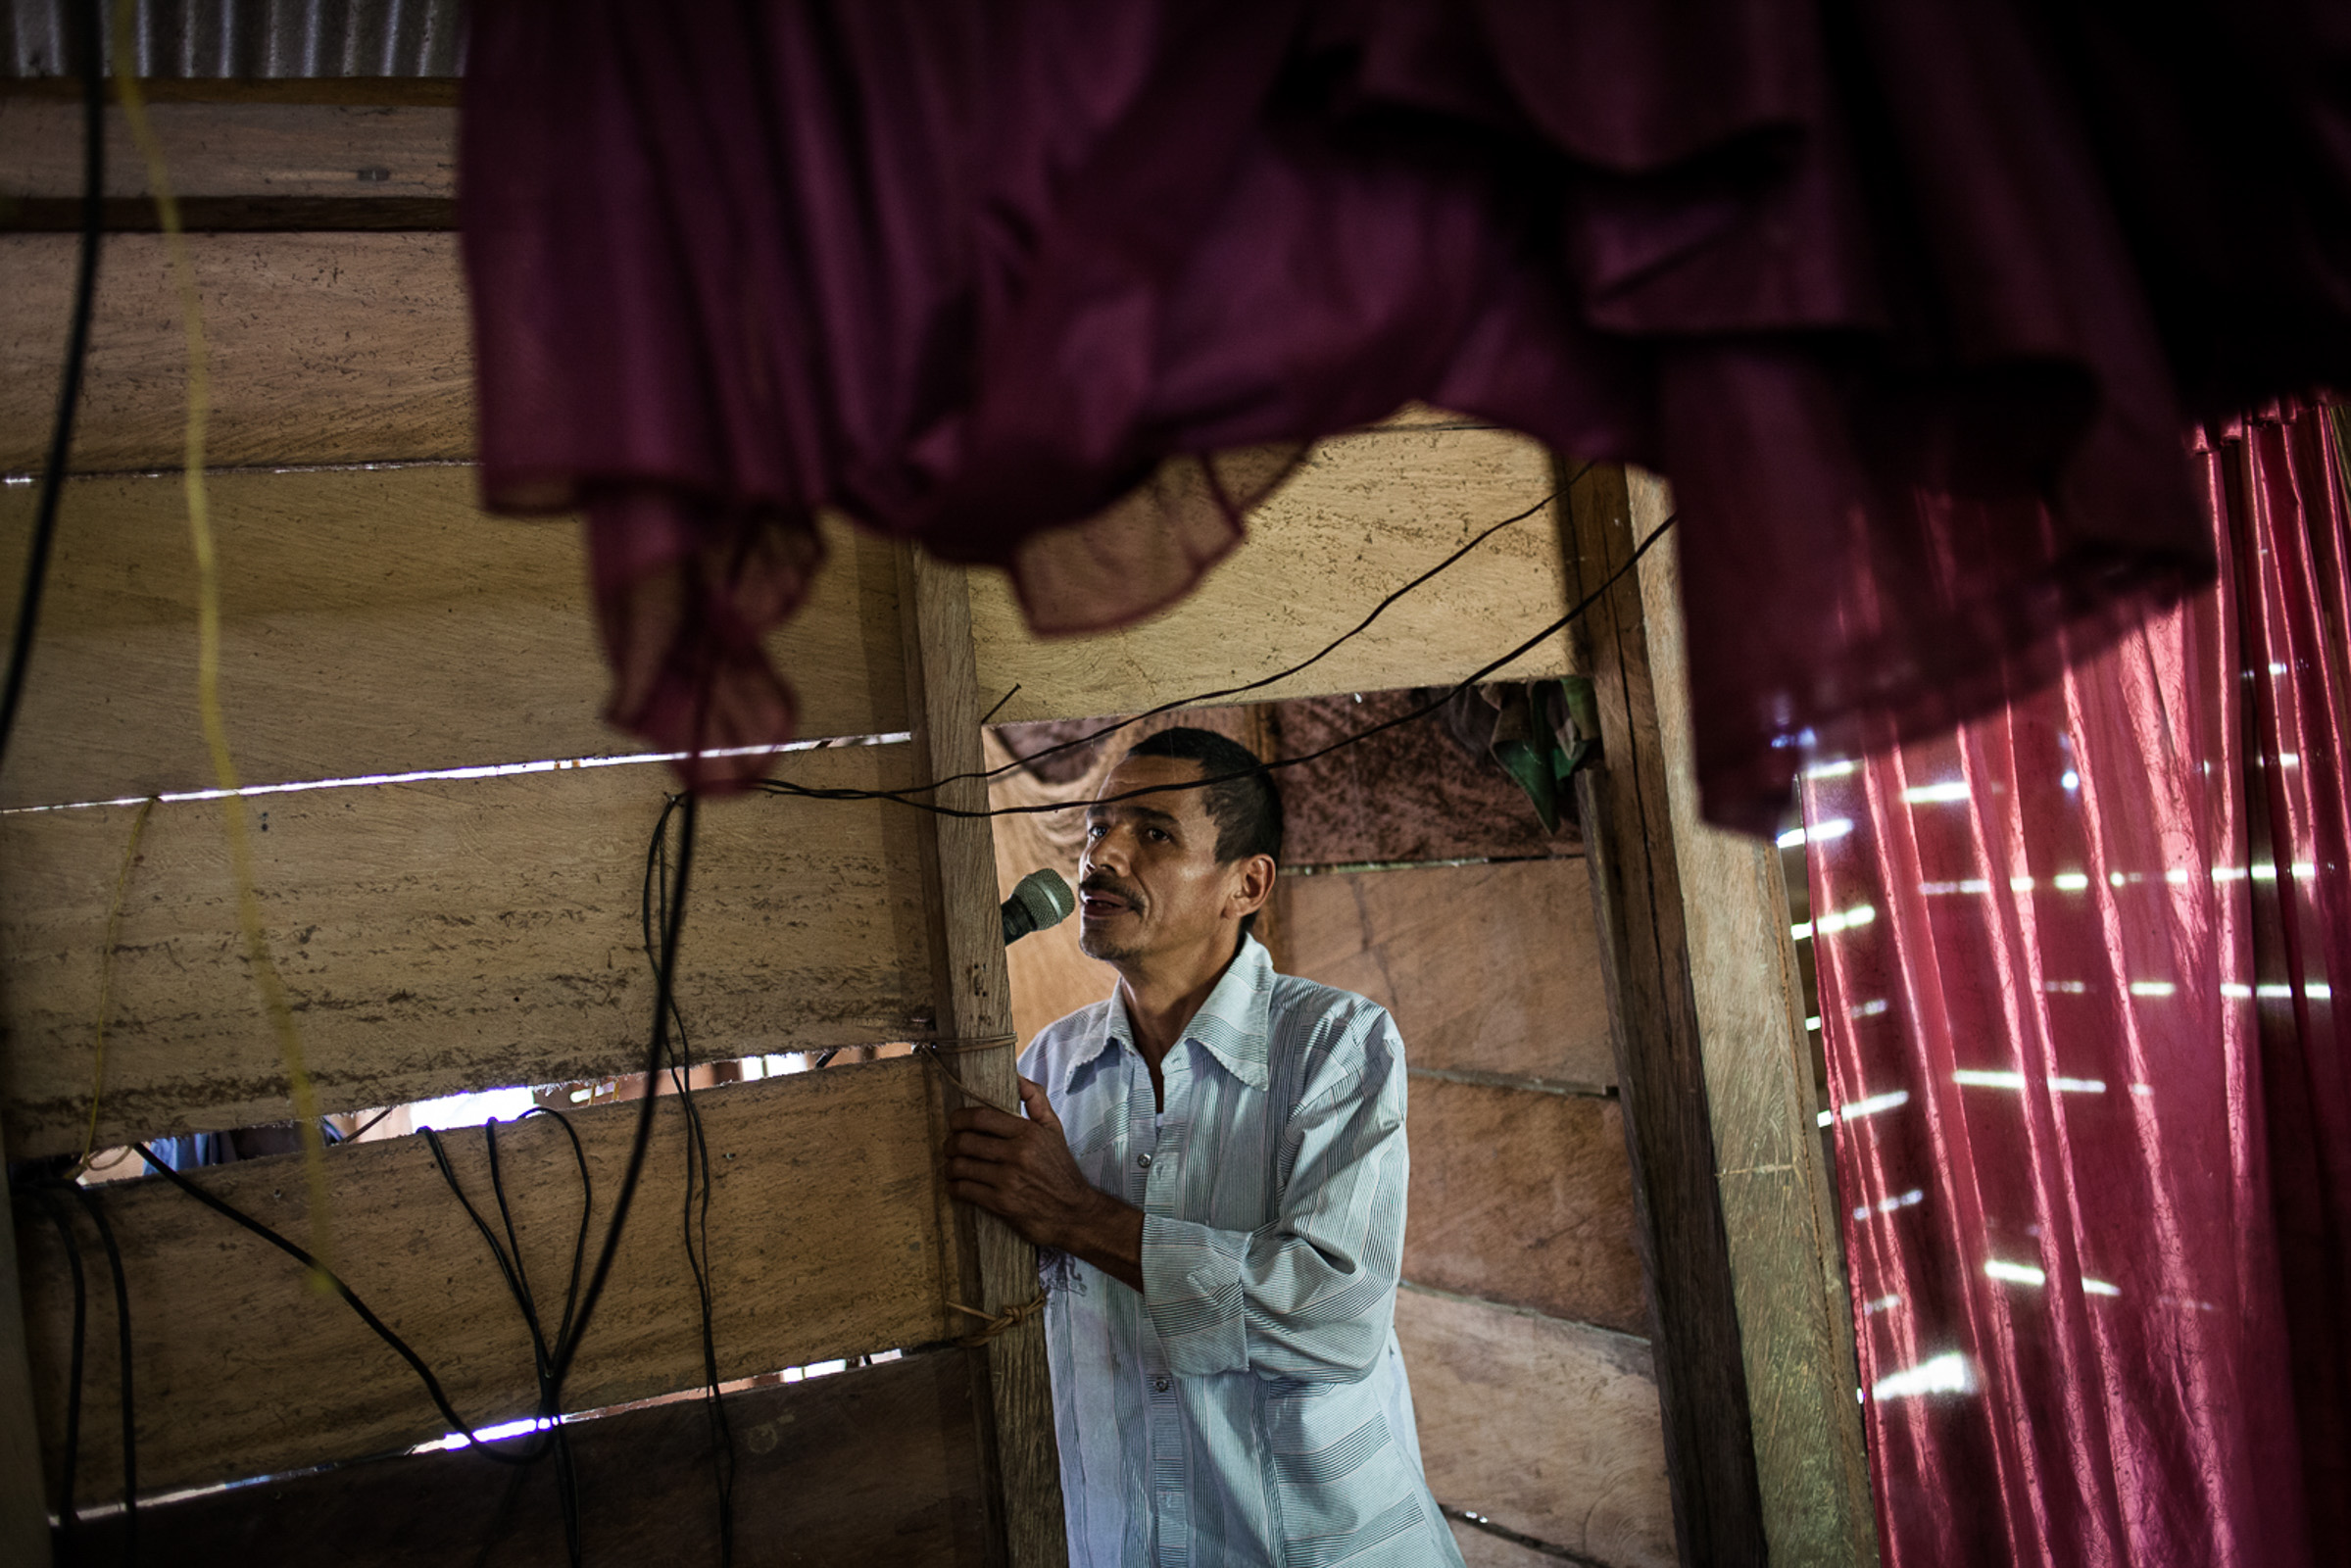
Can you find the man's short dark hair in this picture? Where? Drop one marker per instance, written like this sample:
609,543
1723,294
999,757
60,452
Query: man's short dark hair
1246,808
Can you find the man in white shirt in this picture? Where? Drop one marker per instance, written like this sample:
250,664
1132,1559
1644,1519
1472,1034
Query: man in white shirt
1214,1161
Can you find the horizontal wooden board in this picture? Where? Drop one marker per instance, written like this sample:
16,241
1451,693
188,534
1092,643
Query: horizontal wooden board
1487,968
825,1241
1524,1198
359,152
1549,1428
1362,516
873,1465
373,621
445,936
1483,1550
323,347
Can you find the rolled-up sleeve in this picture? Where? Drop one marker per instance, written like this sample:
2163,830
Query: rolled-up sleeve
1312,1296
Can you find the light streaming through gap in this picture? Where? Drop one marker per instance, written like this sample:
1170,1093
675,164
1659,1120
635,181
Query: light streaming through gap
1979,1078
488,770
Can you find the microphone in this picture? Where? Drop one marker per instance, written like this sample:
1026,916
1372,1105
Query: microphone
1041,899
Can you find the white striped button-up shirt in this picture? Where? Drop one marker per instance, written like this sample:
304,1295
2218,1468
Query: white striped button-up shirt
1249,1406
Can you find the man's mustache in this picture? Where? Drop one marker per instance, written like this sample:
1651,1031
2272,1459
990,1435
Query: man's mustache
1110,887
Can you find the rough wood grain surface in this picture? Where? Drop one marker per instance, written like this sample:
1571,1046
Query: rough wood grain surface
1547,1428
443,936
1487,968
1412,792
1778,1196
351,151
975,1004
871,1465
1525,1198
824,1243
323,347
1362,516
1638,908
372,622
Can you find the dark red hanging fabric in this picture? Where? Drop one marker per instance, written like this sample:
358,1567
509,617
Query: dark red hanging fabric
1064,286
2078,965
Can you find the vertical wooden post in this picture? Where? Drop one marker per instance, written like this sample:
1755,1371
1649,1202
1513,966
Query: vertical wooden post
1637,900
1778,1203
975,1004
24,1491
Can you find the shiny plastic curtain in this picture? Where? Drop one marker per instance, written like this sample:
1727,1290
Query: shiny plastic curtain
2079,965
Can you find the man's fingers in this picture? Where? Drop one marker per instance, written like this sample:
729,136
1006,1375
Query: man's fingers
1033,1100
981,1146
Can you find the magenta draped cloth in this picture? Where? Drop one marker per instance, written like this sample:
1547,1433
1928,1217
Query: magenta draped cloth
1065,285
2083,967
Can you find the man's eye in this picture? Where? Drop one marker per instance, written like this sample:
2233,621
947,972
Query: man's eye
1095,830
1158,834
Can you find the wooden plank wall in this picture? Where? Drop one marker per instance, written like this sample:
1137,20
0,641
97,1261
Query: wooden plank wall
1523,1319
871,1465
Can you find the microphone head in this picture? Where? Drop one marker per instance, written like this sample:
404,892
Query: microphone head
1046,896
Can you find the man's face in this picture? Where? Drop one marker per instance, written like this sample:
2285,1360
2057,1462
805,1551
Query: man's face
1148,882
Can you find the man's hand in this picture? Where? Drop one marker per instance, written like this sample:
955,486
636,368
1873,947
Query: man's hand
1022,1170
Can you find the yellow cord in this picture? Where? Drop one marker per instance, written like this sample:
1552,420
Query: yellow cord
106,983
208,653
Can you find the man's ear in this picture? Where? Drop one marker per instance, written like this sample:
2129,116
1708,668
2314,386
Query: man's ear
1251,886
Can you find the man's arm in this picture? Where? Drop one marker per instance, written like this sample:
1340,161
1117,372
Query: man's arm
1309,1295
1023,1171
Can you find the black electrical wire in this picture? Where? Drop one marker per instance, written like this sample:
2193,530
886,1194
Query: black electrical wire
68,1521
653,916
1263,681
351,1298
77,342
517,1273
131,1433
656,1051
777,786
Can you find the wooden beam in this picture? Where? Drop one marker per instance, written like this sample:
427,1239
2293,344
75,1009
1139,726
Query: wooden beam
1638,906
323,347
371,622
350,153
443,936
1779,1198
871,1465
1362,516
975,1009
824,1241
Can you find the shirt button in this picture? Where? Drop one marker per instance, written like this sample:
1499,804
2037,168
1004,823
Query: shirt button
1159,1385
1142,1161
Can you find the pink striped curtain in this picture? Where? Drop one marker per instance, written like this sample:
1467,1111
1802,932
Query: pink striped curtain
2079,966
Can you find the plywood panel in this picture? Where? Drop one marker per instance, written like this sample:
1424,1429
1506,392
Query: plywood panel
1362,516
894,1446
824,1240
1487,968
442,936
372,622
351,151
1549,1428
323,348
1524,1198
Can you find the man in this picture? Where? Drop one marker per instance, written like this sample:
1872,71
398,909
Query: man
1213,1160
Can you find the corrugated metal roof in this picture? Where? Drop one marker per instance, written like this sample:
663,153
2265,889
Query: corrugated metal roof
247,38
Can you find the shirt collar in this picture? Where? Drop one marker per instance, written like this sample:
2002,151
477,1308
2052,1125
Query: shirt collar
1230,1025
